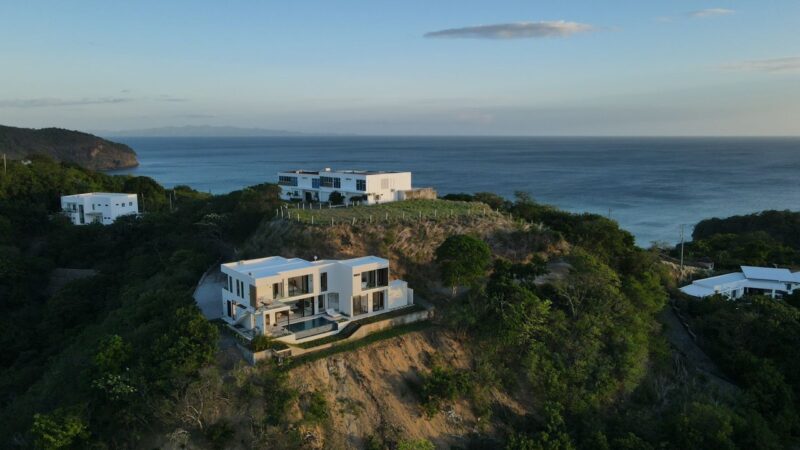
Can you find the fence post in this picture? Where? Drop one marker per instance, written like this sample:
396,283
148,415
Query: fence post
312,220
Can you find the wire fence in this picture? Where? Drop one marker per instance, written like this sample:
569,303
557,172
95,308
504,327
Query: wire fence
409,211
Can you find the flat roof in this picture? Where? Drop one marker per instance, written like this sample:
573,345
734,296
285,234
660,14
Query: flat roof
342,171
363,261
103,194
721,279
770,273
276,265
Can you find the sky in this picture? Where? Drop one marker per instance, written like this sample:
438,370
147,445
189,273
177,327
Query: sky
413,67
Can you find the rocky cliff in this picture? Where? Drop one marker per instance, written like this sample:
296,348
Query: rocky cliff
76,147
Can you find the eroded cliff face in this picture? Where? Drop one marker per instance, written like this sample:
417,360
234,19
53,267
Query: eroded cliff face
373,391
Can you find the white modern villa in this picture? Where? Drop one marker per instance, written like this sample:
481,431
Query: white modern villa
294,300
750,281
98,207
369,187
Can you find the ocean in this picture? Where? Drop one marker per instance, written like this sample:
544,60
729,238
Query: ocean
650,186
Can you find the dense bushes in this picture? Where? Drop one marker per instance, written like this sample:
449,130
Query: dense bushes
444,384
762,239
125,339
586,347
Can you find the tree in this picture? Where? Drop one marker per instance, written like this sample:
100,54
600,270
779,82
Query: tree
463,260
336,198
58,430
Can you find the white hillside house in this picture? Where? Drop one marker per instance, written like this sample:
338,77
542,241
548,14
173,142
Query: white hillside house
750,281
98,207
370,187
294,299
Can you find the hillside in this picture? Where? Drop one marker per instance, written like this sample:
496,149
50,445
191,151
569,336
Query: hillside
84,149
408,242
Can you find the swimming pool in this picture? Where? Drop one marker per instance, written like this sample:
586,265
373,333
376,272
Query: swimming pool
311,327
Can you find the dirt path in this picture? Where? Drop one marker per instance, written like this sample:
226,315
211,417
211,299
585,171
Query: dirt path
677,335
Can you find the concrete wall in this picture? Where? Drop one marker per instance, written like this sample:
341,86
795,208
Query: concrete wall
363,331
418,194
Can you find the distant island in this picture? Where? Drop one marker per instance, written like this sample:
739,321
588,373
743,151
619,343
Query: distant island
206,131
76,147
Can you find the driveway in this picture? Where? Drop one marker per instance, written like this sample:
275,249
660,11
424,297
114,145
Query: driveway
208,293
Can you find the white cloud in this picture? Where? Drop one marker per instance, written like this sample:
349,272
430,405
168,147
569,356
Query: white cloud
51,102
775,65
518,30
710,12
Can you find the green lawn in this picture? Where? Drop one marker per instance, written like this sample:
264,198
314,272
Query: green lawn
395,212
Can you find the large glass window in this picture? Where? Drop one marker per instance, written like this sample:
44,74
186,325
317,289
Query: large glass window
287,181
323,281
378,301
330,182
300,285
360,304
361,185
374,278
303,308
320,303
333,301
277,290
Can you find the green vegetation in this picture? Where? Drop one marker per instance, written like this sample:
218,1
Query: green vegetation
353,345
444,384
762,239
65,145
396,212
316,408
586,347
127,339
462,260
583,352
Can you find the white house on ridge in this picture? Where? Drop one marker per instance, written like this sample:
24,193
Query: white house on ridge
750,281
367,186
98,207
292,299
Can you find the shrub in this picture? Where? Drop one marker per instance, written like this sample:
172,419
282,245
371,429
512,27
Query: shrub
336,198
219,434
443,384
316,410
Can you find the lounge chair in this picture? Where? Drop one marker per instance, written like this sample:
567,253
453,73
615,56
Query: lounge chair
332,314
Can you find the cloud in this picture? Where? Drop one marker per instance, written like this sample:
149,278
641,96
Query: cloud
58,102
52,102
710,12
194,116
169,98
518,30
775,65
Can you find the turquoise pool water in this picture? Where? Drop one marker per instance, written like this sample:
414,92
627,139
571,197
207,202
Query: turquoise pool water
309,325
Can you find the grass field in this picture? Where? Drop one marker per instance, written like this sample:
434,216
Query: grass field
409,210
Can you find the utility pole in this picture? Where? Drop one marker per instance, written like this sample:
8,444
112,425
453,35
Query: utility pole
681,272
5,168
